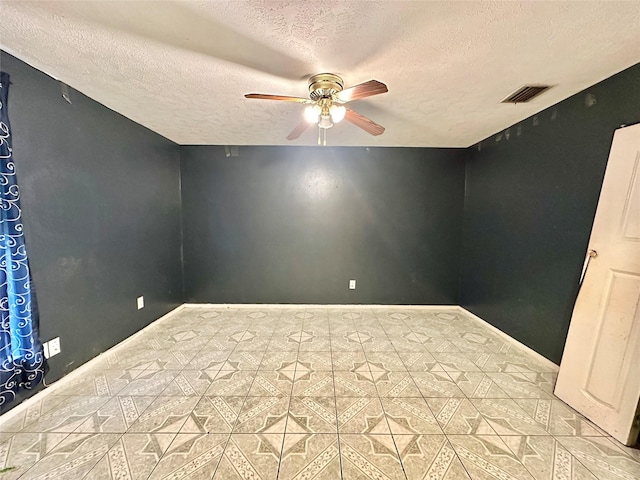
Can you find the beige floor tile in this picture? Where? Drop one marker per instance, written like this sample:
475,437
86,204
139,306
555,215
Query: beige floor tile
390,361
22,450
191,455
160,360
546,459
274,360
505,362
16,420
357,383
67,415
361,415
191,382
164,415
557,418
243,360
313,383
602,457
73,457
312,343
488,457
208,359
283,343
129,358
271,384
516,386
370,457
258,344
436,384
455,362
420,362
229,383
259,413
440,344
316,315
377,345
312,392
347,360
183,339
348,343
248,456
316,360
317,413
406,343
310,457
478,340
409,416
429,457
132,457
394,384
477,385
458,416
116,416
213,415
292,366
507,418
99,382
150,382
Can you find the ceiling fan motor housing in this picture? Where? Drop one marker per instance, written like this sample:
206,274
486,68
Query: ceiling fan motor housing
324,85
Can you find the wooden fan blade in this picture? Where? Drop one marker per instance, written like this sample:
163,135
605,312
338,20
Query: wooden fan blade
364,123
299,130
283,98
363,90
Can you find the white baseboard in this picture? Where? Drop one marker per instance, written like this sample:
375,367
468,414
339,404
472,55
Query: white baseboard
509,338
84,368
297,305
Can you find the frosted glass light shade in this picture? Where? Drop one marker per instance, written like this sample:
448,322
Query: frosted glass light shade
337,113
312,113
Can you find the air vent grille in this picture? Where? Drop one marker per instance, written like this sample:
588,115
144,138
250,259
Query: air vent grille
526,93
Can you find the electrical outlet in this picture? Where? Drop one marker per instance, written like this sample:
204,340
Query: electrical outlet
140,301
54,347
352,284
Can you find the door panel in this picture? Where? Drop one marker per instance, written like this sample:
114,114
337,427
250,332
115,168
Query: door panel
600,370
616,323
631,222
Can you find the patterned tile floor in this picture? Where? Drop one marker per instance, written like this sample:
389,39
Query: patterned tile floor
310,393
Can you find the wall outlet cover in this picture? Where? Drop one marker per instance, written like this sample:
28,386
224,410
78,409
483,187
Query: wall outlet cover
140,301
352,284
54,346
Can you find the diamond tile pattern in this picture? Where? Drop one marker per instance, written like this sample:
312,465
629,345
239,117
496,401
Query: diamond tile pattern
293,392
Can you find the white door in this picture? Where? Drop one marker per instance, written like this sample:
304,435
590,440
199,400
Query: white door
600,369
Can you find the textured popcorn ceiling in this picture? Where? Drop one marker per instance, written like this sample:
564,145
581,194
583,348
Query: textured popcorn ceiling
181,68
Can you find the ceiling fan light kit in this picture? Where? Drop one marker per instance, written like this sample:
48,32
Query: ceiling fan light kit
337,113
312,113
325,104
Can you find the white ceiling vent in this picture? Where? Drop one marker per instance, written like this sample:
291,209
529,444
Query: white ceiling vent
526,93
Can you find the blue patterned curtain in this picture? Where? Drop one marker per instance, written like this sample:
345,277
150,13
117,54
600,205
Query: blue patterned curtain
21,356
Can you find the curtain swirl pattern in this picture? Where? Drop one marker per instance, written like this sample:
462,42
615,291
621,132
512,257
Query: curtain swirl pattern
21,355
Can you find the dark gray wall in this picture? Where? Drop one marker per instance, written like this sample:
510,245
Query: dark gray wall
101,208
295,224
529,207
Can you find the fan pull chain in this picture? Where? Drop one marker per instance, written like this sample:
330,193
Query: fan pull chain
322,136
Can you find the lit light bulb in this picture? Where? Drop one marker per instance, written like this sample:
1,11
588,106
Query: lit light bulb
312,113
337,113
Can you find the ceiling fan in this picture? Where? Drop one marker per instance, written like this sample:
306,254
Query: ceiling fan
325,104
